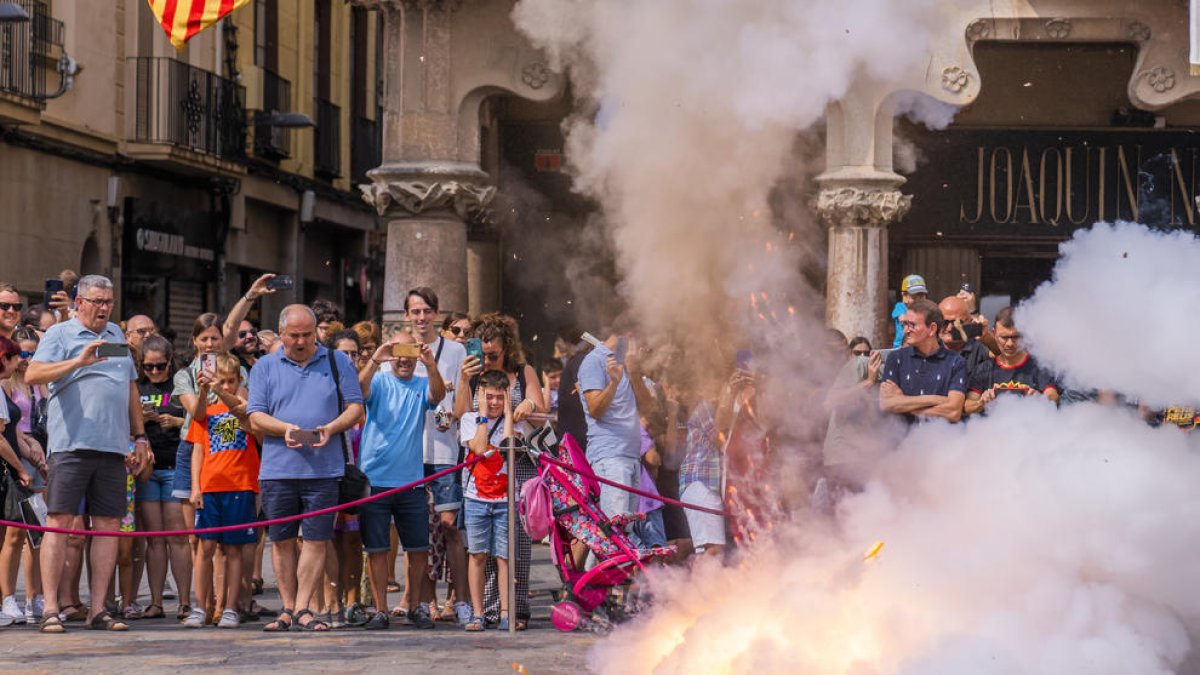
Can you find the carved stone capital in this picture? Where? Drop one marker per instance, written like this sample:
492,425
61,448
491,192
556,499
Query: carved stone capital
862,207
412,189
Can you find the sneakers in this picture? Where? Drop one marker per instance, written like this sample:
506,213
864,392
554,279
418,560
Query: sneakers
12,610
229,619
195,618
462,611
379,621
35,609
419,617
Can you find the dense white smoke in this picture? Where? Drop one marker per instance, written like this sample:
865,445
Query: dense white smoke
1120,313
1035,541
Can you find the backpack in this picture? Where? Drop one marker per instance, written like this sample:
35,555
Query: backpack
537,511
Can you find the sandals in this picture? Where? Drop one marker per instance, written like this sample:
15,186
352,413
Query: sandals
133,612
256,586
76,612
105,621
150,612
183,612
475,625
401,612
281,625
393,587
52,624
314,624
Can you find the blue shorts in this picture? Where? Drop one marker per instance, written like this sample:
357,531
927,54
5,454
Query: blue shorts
228,508
487,527
447,492
409,509
650,533
293,496
181,487
158,487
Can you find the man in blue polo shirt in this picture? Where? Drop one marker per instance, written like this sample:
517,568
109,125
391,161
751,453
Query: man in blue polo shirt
923,379
94,412
293,390
393,455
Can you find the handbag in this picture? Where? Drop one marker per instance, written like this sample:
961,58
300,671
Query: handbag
354,484
14,494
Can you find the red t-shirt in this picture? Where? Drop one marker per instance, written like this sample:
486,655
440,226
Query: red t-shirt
230,454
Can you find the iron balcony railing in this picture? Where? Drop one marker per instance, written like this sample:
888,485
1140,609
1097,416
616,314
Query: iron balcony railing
273,142
189,107
364,149
327,140
25,50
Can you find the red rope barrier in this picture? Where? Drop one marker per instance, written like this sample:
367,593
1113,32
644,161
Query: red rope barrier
244,526
642,493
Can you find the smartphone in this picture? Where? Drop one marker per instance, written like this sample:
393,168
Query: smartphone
406,350
52,286
475,348
112,350
280,282
744,357
209,362
622,349
306,436
149,407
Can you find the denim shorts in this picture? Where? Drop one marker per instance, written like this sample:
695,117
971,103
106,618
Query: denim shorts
158,487
624,470
293,496
447,491
228,508
181,487
487,527
650,533
409,510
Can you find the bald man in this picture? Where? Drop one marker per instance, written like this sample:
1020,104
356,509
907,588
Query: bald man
959,332
137,329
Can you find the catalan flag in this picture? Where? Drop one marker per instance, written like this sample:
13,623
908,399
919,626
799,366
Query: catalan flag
182,19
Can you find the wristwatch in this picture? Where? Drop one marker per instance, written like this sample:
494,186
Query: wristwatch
141,437
480,419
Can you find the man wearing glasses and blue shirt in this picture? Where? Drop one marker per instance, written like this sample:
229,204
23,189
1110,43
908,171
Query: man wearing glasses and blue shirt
923,380
94,414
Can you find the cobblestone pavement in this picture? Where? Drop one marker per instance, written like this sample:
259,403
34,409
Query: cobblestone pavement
162,645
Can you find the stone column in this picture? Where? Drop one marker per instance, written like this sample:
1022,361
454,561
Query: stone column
427,237
857,214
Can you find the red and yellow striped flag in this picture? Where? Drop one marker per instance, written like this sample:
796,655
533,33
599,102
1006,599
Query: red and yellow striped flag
182,19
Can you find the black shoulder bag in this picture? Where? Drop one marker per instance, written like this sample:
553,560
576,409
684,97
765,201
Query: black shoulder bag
355,485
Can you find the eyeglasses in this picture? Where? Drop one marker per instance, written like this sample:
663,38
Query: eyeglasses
459,330
25,355
11,306
247,333
144,332
98,302
153,366
911,325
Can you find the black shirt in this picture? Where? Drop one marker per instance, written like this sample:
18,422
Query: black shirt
10,429
1016,379
164,442
571,418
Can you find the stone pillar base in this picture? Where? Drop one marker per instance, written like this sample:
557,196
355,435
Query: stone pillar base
426,250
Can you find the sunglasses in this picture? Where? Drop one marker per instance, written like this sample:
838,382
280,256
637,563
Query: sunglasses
25,355
154,366
247,333
458,330
491,357
11,306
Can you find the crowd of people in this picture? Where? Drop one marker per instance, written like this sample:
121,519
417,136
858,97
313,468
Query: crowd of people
121,426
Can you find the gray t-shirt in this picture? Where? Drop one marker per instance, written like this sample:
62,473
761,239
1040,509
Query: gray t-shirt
88,408
617,433
846,423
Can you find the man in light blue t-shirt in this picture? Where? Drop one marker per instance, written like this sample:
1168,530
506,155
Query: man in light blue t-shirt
95,418
612,391
392,456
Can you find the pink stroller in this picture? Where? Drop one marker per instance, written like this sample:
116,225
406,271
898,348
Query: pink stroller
574,503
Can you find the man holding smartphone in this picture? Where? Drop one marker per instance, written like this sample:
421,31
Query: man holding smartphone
294,405
94,412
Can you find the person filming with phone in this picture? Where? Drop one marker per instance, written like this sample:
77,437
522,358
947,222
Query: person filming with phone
296,404
94,413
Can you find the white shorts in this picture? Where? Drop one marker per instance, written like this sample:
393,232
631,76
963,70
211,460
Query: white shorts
706,528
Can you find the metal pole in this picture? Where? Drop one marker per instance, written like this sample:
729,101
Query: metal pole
512,536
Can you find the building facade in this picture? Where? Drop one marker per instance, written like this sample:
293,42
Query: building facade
175,173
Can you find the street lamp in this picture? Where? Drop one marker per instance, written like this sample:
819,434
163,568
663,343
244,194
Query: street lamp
284,120
11,12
